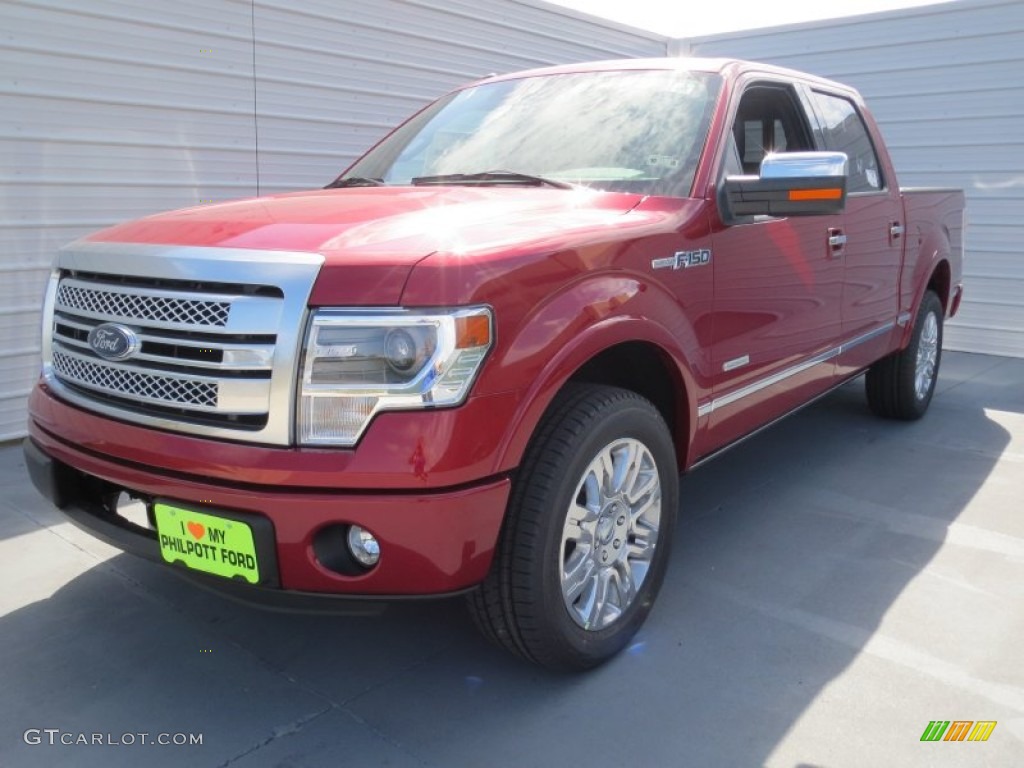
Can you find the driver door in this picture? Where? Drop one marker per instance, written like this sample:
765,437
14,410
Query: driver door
778,283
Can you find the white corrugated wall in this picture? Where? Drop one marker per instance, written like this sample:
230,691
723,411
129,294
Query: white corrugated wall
330,81
110,110
946,83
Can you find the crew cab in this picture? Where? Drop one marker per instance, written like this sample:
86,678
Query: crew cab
479,360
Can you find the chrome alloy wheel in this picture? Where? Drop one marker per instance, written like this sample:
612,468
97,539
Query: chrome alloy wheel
610,533
927,356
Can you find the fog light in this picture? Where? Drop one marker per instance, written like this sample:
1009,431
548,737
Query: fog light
363,546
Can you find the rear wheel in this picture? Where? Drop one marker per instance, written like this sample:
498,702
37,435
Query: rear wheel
901,385
586,537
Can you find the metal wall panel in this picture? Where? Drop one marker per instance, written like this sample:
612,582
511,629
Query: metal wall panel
334,77
111,110
946,84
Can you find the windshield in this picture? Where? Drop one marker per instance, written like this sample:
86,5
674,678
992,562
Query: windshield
626,131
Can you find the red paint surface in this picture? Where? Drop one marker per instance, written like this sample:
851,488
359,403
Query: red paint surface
430,542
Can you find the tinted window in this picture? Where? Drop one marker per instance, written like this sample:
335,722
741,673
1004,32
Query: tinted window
844,131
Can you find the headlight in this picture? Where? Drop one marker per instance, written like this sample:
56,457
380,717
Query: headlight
360,362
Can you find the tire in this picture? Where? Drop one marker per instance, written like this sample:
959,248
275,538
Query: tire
558,592
901,385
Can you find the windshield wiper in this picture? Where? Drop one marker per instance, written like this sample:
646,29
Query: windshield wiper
492,177
355,181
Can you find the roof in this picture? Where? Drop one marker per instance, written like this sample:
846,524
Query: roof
724,66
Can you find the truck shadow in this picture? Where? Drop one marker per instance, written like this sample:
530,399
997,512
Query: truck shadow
790,551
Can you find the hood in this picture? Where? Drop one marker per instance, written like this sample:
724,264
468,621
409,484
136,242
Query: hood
372,236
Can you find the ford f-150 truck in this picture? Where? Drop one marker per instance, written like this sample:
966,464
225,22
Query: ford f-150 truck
479,360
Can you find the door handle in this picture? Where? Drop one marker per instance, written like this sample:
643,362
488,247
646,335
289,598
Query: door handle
896,231
836,240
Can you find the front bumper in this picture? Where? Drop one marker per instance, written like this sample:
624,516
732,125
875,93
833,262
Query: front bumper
433,542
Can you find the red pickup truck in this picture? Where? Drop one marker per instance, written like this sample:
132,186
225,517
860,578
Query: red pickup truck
478,361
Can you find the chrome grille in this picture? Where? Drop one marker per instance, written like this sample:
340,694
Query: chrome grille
216,332
208,357
126,304
142,386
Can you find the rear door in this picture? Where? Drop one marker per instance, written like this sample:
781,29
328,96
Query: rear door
873,228
778,284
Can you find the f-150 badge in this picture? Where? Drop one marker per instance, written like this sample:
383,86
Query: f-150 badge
684,260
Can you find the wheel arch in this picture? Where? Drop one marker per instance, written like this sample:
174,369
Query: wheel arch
940,282
932,272
647,369
631,353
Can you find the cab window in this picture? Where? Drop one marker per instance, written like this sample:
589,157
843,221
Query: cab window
843,130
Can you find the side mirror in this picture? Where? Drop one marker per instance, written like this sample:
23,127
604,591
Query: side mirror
790,184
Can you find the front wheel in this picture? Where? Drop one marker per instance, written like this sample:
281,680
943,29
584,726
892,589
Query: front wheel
901,385
586,537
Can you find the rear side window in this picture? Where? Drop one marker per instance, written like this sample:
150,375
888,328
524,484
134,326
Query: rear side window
843,130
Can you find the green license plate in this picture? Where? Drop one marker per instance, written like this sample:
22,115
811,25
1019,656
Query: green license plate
206,542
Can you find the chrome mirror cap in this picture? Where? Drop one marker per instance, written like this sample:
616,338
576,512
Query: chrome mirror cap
789,165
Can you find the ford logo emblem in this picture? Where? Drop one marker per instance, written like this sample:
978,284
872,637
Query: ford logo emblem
113,342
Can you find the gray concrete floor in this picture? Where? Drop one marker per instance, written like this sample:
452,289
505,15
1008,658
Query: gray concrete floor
837,583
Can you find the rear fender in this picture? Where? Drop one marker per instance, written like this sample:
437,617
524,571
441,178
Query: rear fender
930,269
934,252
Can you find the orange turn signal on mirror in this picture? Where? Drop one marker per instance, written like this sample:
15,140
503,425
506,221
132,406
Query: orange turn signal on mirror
815,194
472,331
